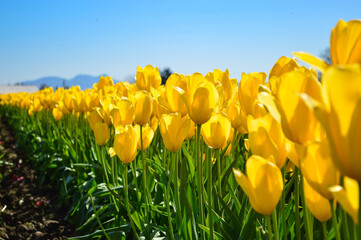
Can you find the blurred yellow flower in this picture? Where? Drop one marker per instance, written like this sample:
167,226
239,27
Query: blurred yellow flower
263,184
317,167
57,113
319,206
102,133
340,114
267,139
348,196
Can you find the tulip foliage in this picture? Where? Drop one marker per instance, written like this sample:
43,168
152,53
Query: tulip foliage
203,157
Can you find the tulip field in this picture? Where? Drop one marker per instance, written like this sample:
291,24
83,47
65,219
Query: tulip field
268,156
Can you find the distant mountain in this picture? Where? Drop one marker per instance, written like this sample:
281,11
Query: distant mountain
83,80
49,81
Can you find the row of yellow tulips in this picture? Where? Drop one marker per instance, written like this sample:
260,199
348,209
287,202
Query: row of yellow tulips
313,123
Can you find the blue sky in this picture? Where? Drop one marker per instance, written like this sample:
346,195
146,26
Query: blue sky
66,38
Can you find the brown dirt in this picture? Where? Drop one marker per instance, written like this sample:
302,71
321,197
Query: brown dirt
26,210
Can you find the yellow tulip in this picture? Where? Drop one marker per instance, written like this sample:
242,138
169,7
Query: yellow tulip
317,167
174,98
154,123
345,46
122,112
78,102
105,81
192,129
174,130
125,143
104,110
263,184
160,105
248,91
319,206
216,131
201,98
143,107
93,119
102,133
348,196
340,116
148,77
57,113
147,136
282,66
267,139
228,85
298,121
37,105
234,112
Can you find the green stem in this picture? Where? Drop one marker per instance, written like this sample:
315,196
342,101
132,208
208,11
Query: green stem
345,224
176,190
283,200
145,181
104,164
199,171
275,226
133,168
234,141
269,227
334,222
125,177
210,186
297,204
218,160
167,196
354,230
309,234
97,217
324,230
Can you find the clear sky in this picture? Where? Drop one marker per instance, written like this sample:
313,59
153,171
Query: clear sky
66,38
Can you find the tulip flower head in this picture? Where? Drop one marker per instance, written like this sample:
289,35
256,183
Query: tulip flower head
148,77
125,143
57,113
317,167
102,133
143,107
147,136
201,98
263,184
216,131
319,206
339,113
267,139
348,196
174,129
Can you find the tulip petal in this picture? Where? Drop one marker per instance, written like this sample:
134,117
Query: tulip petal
316,62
